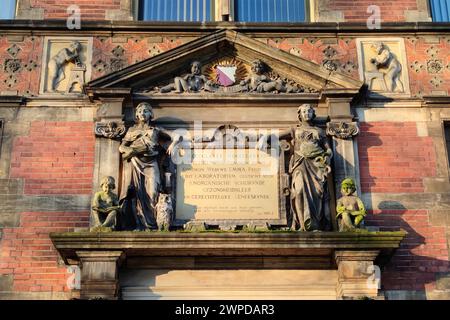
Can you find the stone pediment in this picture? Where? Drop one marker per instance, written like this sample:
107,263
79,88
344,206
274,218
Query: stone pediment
229,62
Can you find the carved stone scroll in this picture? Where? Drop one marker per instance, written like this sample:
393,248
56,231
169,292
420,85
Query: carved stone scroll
110,130
342,130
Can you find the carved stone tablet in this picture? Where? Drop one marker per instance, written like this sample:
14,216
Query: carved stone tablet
233,186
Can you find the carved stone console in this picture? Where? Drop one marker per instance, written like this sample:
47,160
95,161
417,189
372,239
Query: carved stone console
99,273
357,276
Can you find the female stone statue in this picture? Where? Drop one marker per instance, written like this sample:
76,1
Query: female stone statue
141,151
309,167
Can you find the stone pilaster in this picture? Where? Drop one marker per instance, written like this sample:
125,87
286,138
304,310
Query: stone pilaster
357,276
342,129
107,157
99,274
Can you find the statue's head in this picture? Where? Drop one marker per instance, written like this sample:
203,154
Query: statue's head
108,184
144,112
348,187
75,46
378,47
258,66
196,67
306,113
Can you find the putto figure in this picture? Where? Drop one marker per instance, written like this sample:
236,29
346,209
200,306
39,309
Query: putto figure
309,167
58,62
350,209
105,206
259,82
141,150
389,66
193,82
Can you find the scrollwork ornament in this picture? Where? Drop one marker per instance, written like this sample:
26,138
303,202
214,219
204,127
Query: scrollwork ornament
110,130
342,130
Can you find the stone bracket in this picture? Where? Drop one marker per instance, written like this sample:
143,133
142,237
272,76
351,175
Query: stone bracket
357,276
342,130
110,130
99,274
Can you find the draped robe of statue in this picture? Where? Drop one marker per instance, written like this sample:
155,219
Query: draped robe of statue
309,167
141,180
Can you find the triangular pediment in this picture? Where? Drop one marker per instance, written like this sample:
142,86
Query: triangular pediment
226,58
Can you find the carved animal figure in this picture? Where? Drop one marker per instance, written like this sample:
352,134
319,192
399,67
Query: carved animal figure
164,212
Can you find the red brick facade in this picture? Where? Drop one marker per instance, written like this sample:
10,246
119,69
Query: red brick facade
393,159
422,254
56,158
357,10
89,10
27,253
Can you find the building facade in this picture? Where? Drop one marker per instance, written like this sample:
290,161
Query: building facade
377,74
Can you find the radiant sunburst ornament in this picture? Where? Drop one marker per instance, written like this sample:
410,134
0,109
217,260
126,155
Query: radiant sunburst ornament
227,72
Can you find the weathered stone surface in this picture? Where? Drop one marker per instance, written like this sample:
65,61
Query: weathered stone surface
405,295
221,284
99,274
443,281
6,283
226,243
356,273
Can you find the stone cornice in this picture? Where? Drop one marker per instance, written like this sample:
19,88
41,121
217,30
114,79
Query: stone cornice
225,244
36,27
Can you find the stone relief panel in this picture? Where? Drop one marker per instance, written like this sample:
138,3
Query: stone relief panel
67,65
20,62
229,75
382,65
429,65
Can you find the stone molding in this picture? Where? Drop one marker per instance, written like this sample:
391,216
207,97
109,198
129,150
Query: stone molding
101,254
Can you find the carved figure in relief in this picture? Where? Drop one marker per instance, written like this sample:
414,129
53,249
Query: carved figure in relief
105,206
164,212
309,167
259,82
193,82
57,64
350,209
142,152
388,65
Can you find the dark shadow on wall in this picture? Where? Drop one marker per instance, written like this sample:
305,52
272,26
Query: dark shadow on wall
367,140
408,270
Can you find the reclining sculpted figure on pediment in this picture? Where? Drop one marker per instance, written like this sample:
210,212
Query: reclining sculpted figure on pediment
229,75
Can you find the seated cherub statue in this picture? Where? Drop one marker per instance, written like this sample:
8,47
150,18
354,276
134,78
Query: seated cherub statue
350,209
259,82
192,82
105,207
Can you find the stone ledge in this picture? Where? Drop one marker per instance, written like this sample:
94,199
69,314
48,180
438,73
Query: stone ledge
222,244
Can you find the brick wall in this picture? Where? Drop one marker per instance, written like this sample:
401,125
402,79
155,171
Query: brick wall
422,254
393,158
27,253
351,10
357,10
90,9
55,158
